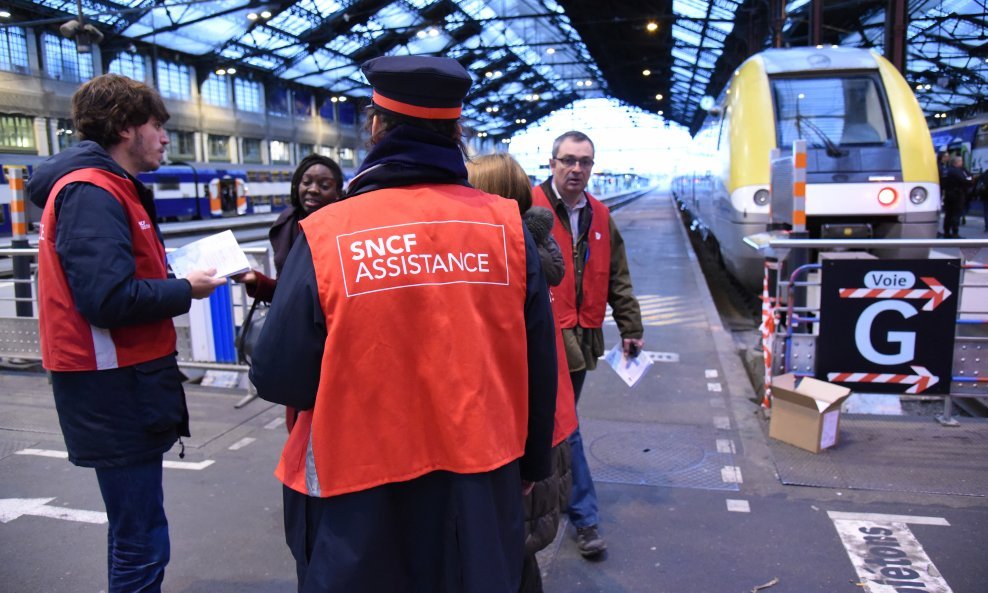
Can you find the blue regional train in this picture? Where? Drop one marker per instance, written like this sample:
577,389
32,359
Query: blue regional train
968,139
184,191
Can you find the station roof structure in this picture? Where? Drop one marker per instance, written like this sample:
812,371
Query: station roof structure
532,57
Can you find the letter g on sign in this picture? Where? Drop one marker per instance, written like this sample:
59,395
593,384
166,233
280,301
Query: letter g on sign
906,340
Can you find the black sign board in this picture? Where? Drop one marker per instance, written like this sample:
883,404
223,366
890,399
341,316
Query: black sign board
887,326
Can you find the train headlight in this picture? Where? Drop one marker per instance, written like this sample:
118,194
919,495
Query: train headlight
761,197
918,195
887,196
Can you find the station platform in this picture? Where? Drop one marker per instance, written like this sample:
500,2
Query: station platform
694,496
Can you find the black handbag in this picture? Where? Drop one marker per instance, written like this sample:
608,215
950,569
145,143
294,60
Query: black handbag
250,331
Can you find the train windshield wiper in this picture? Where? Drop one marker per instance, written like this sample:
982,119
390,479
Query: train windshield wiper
833,150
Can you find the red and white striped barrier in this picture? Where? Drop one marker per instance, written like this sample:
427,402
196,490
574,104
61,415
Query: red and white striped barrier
919,382
937,293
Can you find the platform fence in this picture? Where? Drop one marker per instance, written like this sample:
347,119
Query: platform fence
206,335
790,323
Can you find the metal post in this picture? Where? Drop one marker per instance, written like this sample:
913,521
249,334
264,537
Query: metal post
897,14
21,263
798,257
770,283
816,22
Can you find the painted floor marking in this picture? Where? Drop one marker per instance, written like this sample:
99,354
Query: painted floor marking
731,474
738,506
665,310
12,508
725,446
886,555
197,465
275,423
878,518
722,422
44,453
715,387
661,356
710,373
242,443
193,465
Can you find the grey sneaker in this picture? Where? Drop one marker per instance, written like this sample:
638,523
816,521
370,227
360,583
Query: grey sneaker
589,542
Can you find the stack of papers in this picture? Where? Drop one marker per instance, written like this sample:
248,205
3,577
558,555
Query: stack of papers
220,251
631,370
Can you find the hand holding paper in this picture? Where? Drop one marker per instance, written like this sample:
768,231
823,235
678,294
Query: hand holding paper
220,252
631,370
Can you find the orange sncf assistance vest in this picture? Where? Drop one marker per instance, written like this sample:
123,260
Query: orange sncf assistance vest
596,270
68,341
425,365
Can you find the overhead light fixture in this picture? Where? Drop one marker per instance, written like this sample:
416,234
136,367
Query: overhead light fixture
4,14
660,112
550,50
646,72
652,27
488,74
433,32
252,16
588,83
420,34
658,97
266,14
84,34
231,70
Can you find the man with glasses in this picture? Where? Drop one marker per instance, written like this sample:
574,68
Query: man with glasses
596,275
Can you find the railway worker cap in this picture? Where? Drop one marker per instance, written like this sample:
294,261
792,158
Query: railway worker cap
423,87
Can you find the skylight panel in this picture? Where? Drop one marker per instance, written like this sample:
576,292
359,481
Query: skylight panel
324,8
369,31
427,44
690,8
263,62
681,71
291,23
344,44
395,16
684,35
684,54
233,52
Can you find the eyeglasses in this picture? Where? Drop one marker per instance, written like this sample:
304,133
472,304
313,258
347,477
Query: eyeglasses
570,162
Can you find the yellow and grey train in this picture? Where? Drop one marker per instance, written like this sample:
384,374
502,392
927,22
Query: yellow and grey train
871,170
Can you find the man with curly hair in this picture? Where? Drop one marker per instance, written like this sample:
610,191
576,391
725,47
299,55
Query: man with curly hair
106,304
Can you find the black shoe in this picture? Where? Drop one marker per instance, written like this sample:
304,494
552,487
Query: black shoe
589,541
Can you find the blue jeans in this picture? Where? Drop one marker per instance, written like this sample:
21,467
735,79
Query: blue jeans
583,499
137,538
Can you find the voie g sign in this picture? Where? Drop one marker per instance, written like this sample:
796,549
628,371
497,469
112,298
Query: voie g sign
887,326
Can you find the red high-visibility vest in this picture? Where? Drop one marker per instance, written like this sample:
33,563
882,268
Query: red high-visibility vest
425,365
564,420
68,341
596,269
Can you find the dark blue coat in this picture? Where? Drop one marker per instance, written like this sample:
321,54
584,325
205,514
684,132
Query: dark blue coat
119,416
441,532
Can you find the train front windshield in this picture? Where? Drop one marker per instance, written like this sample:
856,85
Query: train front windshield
837,111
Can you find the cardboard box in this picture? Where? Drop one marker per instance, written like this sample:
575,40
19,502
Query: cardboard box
806,412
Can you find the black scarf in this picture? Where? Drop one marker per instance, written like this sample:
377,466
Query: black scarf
408,155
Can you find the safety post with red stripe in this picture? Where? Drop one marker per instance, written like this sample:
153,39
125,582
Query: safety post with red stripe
24,306
767,327
799,186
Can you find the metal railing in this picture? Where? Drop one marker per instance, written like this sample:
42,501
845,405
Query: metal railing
20,336
793,348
